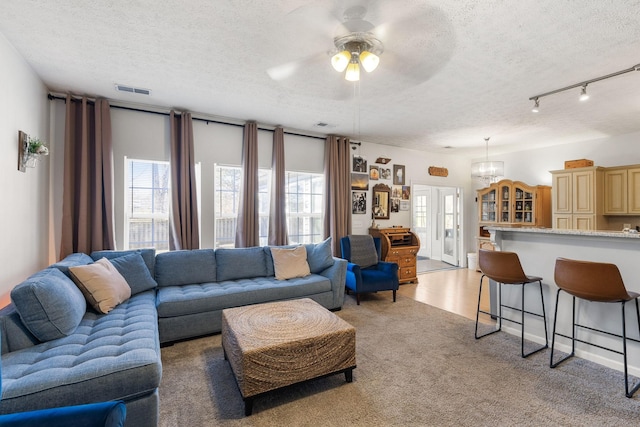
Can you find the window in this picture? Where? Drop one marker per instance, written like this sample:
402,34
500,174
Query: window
304,205
305,192
147,204
228,181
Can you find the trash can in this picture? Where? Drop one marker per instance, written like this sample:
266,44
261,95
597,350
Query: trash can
472,261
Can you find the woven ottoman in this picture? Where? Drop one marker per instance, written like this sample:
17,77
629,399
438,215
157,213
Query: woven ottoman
273,345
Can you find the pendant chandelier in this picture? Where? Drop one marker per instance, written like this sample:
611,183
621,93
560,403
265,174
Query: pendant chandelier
487,171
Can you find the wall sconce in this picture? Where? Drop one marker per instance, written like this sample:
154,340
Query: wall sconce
30,151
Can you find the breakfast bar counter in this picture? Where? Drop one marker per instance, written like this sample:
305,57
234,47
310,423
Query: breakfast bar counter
538,249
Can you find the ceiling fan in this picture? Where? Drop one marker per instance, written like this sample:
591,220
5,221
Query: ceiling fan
409,42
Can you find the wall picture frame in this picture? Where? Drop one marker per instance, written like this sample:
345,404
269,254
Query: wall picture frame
398,175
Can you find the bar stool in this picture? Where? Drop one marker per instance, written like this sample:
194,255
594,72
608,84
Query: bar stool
505,268
596,282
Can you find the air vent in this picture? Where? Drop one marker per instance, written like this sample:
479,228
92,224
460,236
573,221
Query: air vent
130,89
323,125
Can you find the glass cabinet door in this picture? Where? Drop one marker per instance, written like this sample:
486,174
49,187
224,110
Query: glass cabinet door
505,203
523,208
488,206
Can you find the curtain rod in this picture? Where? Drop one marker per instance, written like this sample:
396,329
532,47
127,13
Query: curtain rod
141,110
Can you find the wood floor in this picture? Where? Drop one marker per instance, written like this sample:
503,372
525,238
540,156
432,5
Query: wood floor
452,290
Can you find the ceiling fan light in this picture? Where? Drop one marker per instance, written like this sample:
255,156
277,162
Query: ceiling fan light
353,72
340,61
369,61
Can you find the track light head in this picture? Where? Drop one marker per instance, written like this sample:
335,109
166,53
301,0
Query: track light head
583,93
536,106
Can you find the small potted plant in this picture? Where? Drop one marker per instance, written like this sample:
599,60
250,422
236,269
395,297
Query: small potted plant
34,148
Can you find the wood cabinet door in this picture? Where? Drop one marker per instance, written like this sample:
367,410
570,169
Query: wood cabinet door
584,192
633,191
562,194
615,191
584,222
563,221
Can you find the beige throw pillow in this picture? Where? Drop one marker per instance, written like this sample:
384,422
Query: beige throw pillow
102,285
290,262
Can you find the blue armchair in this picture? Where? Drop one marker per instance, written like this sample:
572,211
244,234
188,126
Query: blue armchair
105,414
365,271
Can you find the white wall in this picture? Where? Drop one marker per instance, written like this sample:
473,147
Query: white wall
417,164
24,218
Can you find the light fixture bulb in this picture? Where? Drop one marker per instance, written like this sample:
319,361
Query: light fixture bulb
583,93
536,106
353,71
340,61
369,61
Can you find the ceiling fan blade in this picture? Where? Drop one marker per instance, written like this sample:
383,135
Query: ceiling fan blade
417,44
288,69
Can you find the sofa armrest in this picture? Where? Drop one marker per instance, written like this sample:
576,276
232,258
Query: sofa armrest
337,275
107,414
388,267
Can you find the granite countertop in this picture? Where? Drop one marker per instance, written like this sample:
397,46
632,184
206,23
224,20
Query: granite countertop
541,230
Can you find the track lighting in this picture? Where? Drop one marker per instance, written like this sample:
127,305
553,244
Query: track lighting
583,93
536,106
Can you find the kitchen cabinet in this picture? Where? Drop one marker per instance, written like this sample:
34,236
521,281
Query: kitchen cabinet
399,245
622,190
577,198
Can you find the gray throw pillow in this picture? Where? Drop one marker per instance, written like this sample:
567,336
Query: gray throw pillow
134,270
49,304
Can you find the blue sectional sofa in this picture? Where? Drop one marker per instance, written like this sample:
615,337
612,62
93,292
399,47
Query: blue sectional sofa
58,351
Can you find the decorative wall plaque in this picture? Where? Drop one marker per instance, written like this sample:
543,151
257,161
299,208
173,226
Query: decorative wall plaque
437,171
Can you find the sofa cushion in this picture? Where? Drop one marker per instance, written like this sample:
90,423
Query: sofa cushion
149,256
72,260
208,297
101,284
108,357
186,267
319,255
49,304
241,263
290,263
135,272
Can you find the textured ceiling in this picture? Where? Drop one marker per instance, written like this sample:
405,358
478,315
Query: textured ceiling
453,72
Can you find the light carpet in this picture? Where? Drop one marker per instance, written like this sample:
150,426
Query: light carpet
417,366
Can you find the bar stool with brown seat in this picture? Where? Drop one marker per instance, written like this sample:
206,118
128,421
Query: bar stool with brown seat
596,282
505,268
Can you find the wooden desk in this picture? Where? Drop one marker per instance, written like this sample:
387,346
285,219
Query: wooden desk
399,245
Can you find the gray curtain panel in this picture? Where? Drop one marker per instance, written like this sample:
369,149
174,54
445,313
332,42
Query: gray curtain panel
247,227
337,175
277,211
185,231
87,205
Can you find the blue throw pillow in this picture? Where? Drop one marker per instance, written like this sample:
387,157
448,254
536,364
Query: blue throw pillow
134,270
72,260
319,255
149,256
49,304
